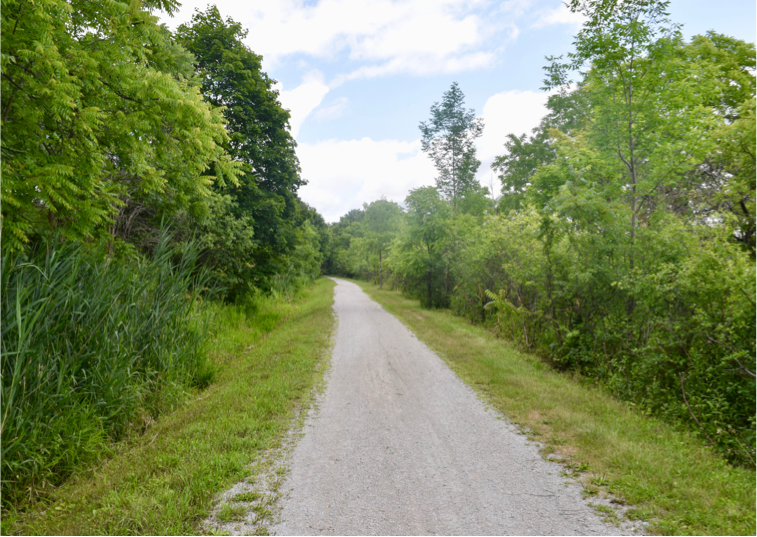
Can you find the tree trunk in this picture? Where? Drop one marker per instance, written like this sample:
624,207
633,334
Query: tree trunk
381,273
430,274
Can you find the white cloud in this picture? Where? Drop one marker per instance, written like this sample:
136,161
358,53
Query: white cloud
344,174
558,15
303,99
421,65
509,112
332,111
422,36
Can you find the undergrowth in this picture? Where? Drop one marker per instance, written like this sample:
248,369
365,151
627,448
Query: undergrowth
92,347
267,355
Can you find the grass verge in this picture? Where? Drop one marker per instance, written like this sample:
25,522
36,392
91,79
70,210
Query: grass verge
673,481
165,481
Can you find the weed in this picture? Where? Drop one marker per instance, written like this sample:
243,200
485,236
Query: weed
232,513
247,497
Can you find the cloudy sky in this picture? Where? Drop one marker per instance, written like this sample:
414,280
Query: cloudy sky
359,75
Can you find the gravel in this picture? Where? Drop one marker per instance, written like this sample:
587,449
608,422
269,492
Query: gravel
399,445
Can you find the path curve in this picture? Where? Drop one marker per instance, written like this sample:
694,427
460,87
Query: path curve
399,445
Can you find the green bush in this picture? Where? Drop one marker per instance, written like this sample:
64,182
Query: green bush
90,346
666,323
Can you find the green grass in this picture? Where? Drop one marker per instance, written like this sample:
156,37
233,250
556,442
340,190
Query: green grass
165,481
671,478
91,347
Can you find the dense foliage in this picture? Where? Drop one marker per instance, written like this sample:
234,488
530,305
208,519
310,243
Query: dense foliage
623,243
91,345
114,129
99,105
259,139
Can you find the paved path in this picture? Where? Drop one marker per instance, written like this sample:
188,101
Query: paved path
399,445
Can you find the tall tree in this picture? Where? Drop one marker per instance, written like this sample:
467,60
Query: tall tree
524,153
259,133
420,258
98,103
448,138
644,96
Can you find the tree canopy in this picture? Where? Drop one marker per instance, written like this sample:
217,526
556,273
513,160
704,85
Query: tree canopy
98,103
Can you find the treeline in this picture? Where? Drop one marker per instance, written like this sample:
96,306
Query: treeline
144,173
622,245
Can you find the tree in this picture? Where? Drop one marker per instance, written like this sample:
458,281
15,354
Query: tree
736,142
382,221
524,154
420,258
98,104
448,137
349,226
259,137
644,94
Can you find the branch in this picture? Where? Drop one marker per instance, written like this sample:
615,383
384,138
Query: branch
683,391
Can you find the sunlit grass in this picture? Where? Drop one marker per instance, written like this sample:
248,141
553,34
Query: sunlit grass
670,477
165,481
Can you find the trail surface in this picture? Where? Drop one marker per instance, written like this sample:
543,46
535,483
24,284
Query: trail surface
399,445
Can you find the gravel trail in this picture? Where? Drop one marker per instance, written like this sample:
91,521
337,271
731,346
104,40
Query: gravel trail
399,445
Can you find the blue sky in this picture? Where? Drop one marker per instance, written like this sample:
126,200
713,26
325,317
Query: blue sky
359,75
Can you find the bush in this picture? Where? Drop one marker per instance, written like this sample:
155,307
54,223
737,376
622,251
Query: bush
672,332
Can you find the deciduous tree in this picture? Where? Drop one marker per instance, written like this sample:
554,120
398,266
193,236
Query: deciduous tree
448,137
98,103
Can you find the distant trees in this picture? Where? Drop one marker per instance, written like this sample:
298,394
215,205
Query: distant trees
382,221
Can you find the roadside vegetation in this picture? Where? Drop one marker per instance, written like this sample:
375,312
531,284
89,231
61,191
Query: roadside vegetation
622,243
673,480
149,186
163,479
93,348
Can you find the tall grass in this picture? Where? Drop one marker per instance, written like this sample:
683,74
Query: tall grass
91,347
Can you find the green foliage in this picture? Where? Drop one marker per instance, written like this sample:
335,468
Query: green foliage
89,345
304,264
259,138
112,126
448,137
648,332
339,255
420,263
225,240
98,103
380,226
735,161
517,166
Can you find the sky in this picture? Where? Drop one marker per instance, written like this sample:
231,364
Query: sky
358,76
